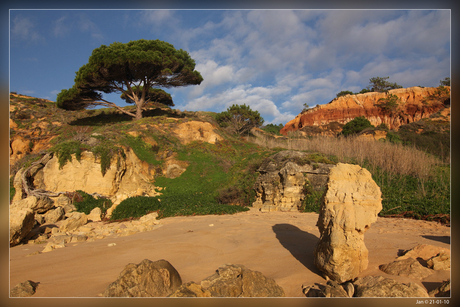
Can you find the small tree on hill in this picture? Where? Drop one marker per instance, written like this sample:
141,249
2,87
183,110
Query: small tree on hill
134,70
445,82
379,84
390,104
355,126
239,119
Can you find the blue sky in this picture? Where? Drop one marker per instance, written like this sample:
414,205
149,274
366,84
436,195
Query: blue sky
273,60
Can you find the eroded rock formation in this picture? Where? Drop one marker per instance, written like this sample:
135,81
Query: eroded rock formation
350,205
415,105
281,184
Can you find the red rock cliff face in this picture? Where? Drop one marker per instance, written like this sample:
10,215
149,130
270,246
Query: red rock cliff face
415,105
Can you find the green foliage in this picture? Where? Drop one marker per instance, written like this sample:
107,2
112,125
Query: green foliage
12,189
411,197
379,84
65,150
85,203
105,151
143,151
305,107
344,93
135,207
382,126
364,90
390,104
393,138
273,129
129,69
445,82
313,199
355,126
239,119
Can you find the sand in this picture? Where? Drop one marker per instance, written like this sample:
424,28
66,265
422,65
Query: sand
278,244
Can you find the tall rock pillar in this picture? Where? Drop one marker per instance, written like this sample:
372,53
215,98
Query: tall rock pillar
350,205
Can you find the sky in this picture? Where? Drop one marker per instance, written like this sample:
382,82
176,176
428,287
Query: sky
275,61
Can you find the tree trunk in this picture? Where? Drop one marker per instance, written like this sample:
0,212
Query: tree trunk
139,105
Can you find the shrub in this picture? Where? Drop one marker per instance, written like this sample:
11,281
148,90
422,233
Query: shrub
273,129
134,207
85,202
239,119
65,150
390,104
355,126
344,93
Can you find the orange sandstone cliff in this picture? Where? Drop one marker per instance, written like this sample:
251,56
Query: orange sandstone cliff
415,103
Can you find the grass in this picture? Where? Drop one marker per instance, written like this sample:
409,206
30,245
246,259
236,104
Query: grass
413,183
85,203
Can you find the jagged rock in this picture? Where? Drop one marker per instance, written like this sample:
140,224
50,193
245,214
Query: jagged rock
75,220
237,281
24,289
52,216
332,289
379,286
37,204
22,221
442,291
350,205
280,185
149,219
424,251
146,279
406,267
346,108
191,289
439,262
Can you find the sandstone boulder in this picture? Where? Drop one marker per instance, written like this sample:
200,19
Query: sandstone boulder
442,291
439,262
24,289
146,279
22,221
52,216
191,289
75,220
238,281
280,185
332,289
379,286
424,251
37,204
95,215
350,205
406,267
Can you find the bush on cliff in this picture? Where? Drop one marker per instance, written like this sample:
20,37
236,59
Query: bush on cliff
355,126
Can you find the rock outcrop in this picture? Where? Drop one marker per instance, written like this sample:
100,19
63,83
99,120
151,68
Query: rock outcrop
409,267
21,223
127,175
146,279
350,205
197,131
281,183
415,105
232,280
379,286
24,289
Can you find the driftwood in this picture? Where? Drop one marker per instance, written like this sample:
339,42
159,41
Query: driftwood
32,170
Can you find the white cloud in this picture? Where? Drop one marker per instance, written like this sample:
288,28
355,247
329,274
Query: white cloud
24,29
60,27
85,24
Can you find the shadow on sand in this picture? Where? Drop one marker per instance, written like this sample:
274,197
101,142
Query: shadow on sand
299,243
